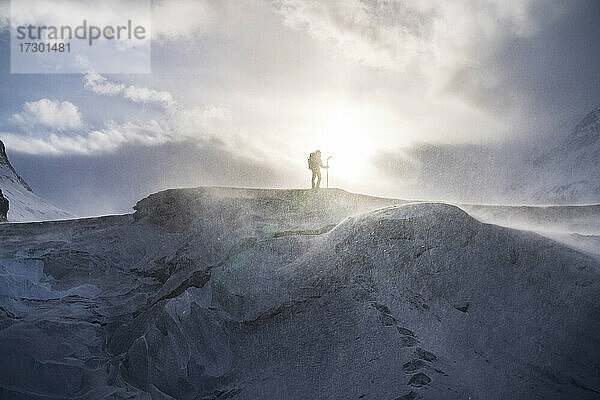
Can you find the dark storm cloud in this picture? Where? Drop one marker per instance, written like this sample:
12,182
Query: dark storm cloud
553,77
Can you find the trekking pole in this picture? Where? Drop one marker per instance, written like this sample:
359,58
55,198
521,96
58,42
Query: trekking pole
328,171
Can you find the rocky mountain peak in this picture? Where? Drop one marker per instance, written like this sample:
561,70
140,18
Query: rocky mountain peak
586,132
25,205
8,171
3,157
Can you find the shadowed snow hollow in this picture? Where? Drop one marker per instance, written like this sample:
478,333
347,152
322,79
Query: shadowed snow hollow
216,293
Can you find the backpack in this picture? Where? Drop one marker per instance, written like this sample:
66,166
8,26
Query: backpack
311,160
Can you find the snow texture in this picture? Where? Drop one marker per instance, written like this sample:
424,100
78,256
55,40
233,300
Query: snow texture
568,172
222,293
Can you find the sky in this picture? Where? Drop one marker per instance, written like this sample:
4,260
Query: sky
240,92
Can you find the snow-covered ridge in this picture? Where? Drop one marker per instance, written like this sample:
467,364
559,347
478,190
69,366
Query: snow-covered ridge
174,208
25,205
250,293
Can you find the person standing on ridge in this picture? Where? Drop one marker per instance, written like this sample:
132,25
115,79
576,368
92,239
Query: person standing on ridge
3,207
315,164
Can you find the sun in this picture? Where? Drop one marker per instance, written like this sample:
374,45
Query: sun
346,138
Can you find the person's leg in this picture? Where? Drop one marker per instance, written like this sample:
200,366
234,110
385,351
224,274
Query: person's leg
312,181
318,178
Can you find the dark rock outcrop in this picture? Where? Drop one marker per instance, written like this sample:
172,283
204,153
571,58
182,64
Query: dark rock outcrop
3,207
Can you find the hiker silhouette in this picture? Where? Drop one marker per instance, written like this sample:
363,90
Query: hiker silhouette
315,164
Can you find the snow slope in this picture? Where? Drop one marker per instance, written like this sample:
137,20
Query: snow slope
217,293
25,205
570,172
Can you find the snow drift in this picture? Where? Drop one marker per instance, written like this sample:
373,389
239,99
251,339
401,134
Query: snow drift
217,293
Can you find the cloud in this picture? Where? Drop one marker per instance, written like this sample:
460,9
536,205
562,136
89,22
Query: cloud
395,36
45,113
181,122
171,124
196,125
146,96
4,15
100,85
105,140
179,19
113,136
170,19
108,183
434,63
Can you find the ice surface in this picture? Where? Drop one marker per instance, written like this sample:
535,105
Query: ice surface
216,293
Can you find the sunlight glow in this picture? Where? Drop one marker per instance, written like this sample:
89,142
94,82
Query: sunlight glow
346,136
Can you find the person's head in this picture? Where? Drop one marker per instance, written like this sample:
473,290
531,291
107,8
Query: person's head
318,152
